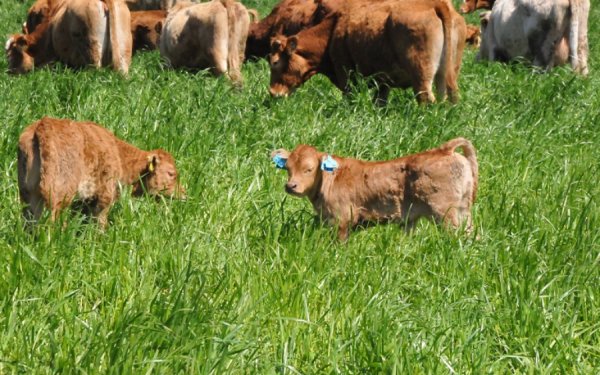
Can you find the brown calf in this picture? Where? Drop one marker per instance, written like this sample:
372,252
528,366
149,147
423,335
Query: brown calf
438,184
473,35
146,26
60,160
409,43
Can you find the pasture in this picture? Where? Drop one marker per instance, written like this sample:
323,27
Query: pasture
240,278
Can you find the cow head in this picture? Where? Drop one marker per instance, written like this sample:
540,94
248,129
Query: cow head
473,35
471,5
289,69
160,176
305,167
19,59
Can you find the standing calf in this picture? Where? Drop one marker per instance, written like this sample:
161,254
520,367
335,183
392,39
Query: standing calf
439,184
60,160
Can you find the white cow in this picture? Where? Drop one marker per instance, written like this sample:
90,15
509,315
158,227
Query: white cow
546,32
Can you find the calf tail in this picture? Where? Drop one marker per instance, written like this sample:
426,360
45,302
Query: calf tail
578,46
233,46
446,70
469,153
120,40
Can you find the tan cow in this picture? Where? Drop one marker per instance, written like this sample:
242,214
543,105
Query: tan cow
78,33
61,160
438,184
146,26
206,36
409,43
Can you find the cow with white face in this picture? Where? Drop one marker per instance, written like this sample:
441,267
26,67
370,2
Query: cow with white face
547,33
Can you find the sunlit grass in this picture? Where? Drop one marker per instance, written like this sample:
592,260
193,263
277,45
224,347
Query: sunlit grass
241,278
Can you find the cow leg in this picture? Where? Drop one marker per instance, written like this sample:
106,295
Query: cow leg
103,204
381,95
343,231
423,92
34,206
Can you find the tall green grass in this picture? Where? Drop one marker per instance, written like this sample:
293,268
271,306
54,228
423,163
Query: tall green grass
241,278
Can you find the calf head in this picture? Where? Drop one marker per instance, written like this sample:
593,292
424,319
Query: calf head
304,169
289,69
19,59
160,177
473,35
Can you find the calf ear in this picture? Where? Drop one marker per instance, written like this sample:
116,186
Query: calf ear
280,158
153,161
158,27
292,44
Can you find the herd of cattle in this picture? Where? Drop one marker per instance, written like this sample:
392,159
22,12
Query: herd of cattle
401,43
414,44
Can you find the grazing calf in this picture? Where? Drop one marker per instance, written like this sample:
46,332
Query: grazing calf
146,26
409,43
471,5
439,184
547,33
77,33
60,160
208,35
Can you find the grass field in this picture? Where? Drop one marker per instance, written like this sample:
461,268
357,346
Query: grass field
241,278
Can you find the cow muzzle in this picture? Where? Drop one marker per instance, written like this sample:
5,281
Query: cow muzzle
279,91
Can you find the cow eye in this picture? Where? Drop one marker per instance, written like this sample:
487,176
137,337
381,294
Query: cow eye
308,170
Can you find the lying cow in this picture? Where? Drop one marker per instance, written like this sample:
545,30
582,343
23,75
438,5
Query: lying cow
409,43
288,17
77,33
60,160
548,33
208,35
438,184
146,26
472,5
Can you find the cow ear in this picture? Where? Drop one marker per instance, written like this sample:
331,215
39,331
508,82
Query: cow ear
153,161
158,27
292,44
276,45
280,158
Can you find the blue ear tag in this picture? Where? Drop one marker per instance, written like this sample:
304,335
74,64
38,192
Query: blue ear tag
279,161
329,164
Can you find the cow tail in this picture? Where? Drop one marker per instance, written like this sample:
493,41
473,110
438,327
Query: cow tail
254,15
118,48
233,53
448,76
469,153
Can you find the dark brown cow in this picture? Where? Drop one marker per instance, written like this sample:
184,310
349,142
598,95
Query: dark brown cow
288,17
438,184
146,26
60,160
409,43
471,5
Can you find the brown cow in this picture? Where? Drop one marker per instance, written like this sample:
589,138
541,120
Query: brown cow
207,35
438,184
288,17
60,160
471,5
78,33
146,26
409,43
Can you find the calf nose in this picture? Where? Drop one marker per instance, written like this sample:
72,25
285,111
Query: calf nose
290,187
